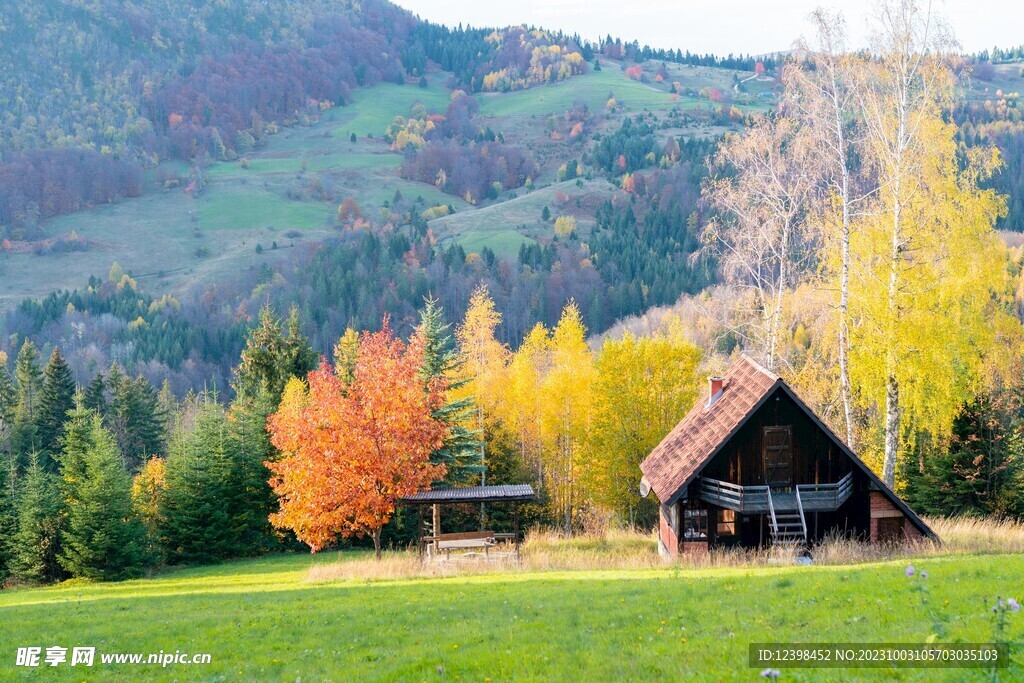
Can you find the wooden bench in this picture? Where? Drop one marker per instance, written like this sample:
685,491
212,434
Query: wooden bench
465,541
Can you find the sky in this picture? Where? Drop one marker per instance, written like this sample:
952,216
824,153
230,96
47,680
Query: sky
718,26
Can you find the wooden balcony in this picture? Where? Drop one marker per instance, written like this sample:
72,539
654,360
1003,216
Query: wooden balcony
750,500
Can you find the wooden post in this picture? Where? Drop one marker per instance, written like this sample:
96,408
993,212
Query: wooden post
419,529
437,524
515,526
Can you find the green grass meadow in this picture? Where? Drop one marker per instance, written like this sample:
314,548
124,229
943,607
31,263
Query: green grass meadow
504,243
266,620
372,109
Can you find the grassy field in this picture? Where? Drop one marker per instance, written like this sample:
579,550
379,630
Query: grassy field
372,109
593,89
505,225
310,617
596,87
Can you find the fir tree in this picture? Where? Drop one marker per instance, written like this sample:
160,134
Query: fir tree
460,452
8,516
36,544
195,526
103,536
94,397
56,400
24,435
273,354
135,418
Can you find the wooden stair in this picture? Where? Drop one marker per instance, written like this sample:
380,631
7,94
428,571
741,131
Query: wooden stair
787,522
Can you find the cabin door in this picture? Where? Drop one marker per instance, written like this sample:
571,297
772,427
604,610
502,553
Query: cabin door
778,455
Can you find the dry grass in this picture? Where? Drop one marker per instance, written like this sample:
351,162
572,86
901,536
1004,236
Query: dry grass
619,549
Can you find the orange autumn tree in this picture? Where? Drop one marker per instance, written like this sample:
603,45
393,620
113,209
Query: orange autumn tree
355,441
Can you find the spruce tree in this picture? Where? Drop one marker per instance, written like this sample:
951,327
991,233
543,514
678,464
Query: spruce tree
94,397
36,543
8,400
24,438
273,354
8,516
103,536
461,449
195,525
8,471
248,495
136,419
8,409
56,400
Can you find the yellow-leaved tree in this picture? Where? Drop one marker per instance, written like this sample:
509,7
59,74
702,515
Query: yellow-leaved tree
925,260
522,410
643,387
482,361
568,395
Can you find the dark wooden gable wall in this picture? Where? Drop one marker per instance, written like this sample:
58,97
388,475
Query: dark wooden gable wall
816,459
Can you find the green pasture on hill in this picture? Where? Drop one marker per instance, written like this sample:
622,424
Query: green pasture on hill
594,89
263,620
504,243
371,109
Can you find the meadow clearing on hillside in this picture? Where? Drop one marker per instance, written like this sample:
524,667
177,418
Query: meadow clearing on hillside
179,239
505,225
175,239
294,616
595,88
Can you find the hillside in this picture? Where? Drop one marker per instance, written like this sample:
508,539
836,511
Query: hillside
166,163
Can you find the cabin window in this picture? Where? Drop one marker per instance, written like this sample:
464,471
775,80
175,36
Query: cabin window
777,447
726,523
695,523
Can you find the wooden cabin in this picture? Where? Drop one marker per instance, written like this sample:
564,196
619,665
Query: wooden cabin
751,465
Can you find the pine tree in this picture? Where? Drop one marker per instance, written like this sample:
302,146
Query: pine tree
248,495
36,543
8,516
136,418
56,400
24,437
460,452
195,525
103,538
95,395
273,354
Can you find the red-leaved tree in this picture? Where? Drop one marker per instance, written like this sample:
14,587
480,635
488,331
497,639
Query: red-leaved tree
358,439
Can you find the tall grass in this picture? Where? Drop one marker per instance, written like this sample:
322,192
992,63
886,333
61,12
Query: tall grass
618,549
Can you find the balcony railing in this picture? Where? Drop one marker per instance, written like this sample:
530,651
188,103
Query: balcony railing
754,499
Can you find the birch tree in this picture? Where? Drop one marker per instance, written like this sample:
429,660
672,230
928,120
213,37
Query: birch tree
925,260
568,391
482,360
764,182
822,92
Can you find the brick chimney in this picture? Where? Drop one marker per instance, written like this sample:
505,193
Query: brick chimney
716,384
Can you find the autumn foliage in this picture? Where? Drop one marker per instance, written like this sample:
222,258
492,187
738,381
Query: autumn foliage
355,441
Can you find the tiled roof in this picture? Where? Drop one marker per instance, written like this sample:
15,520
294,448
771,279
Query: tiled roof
473,494
700,434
